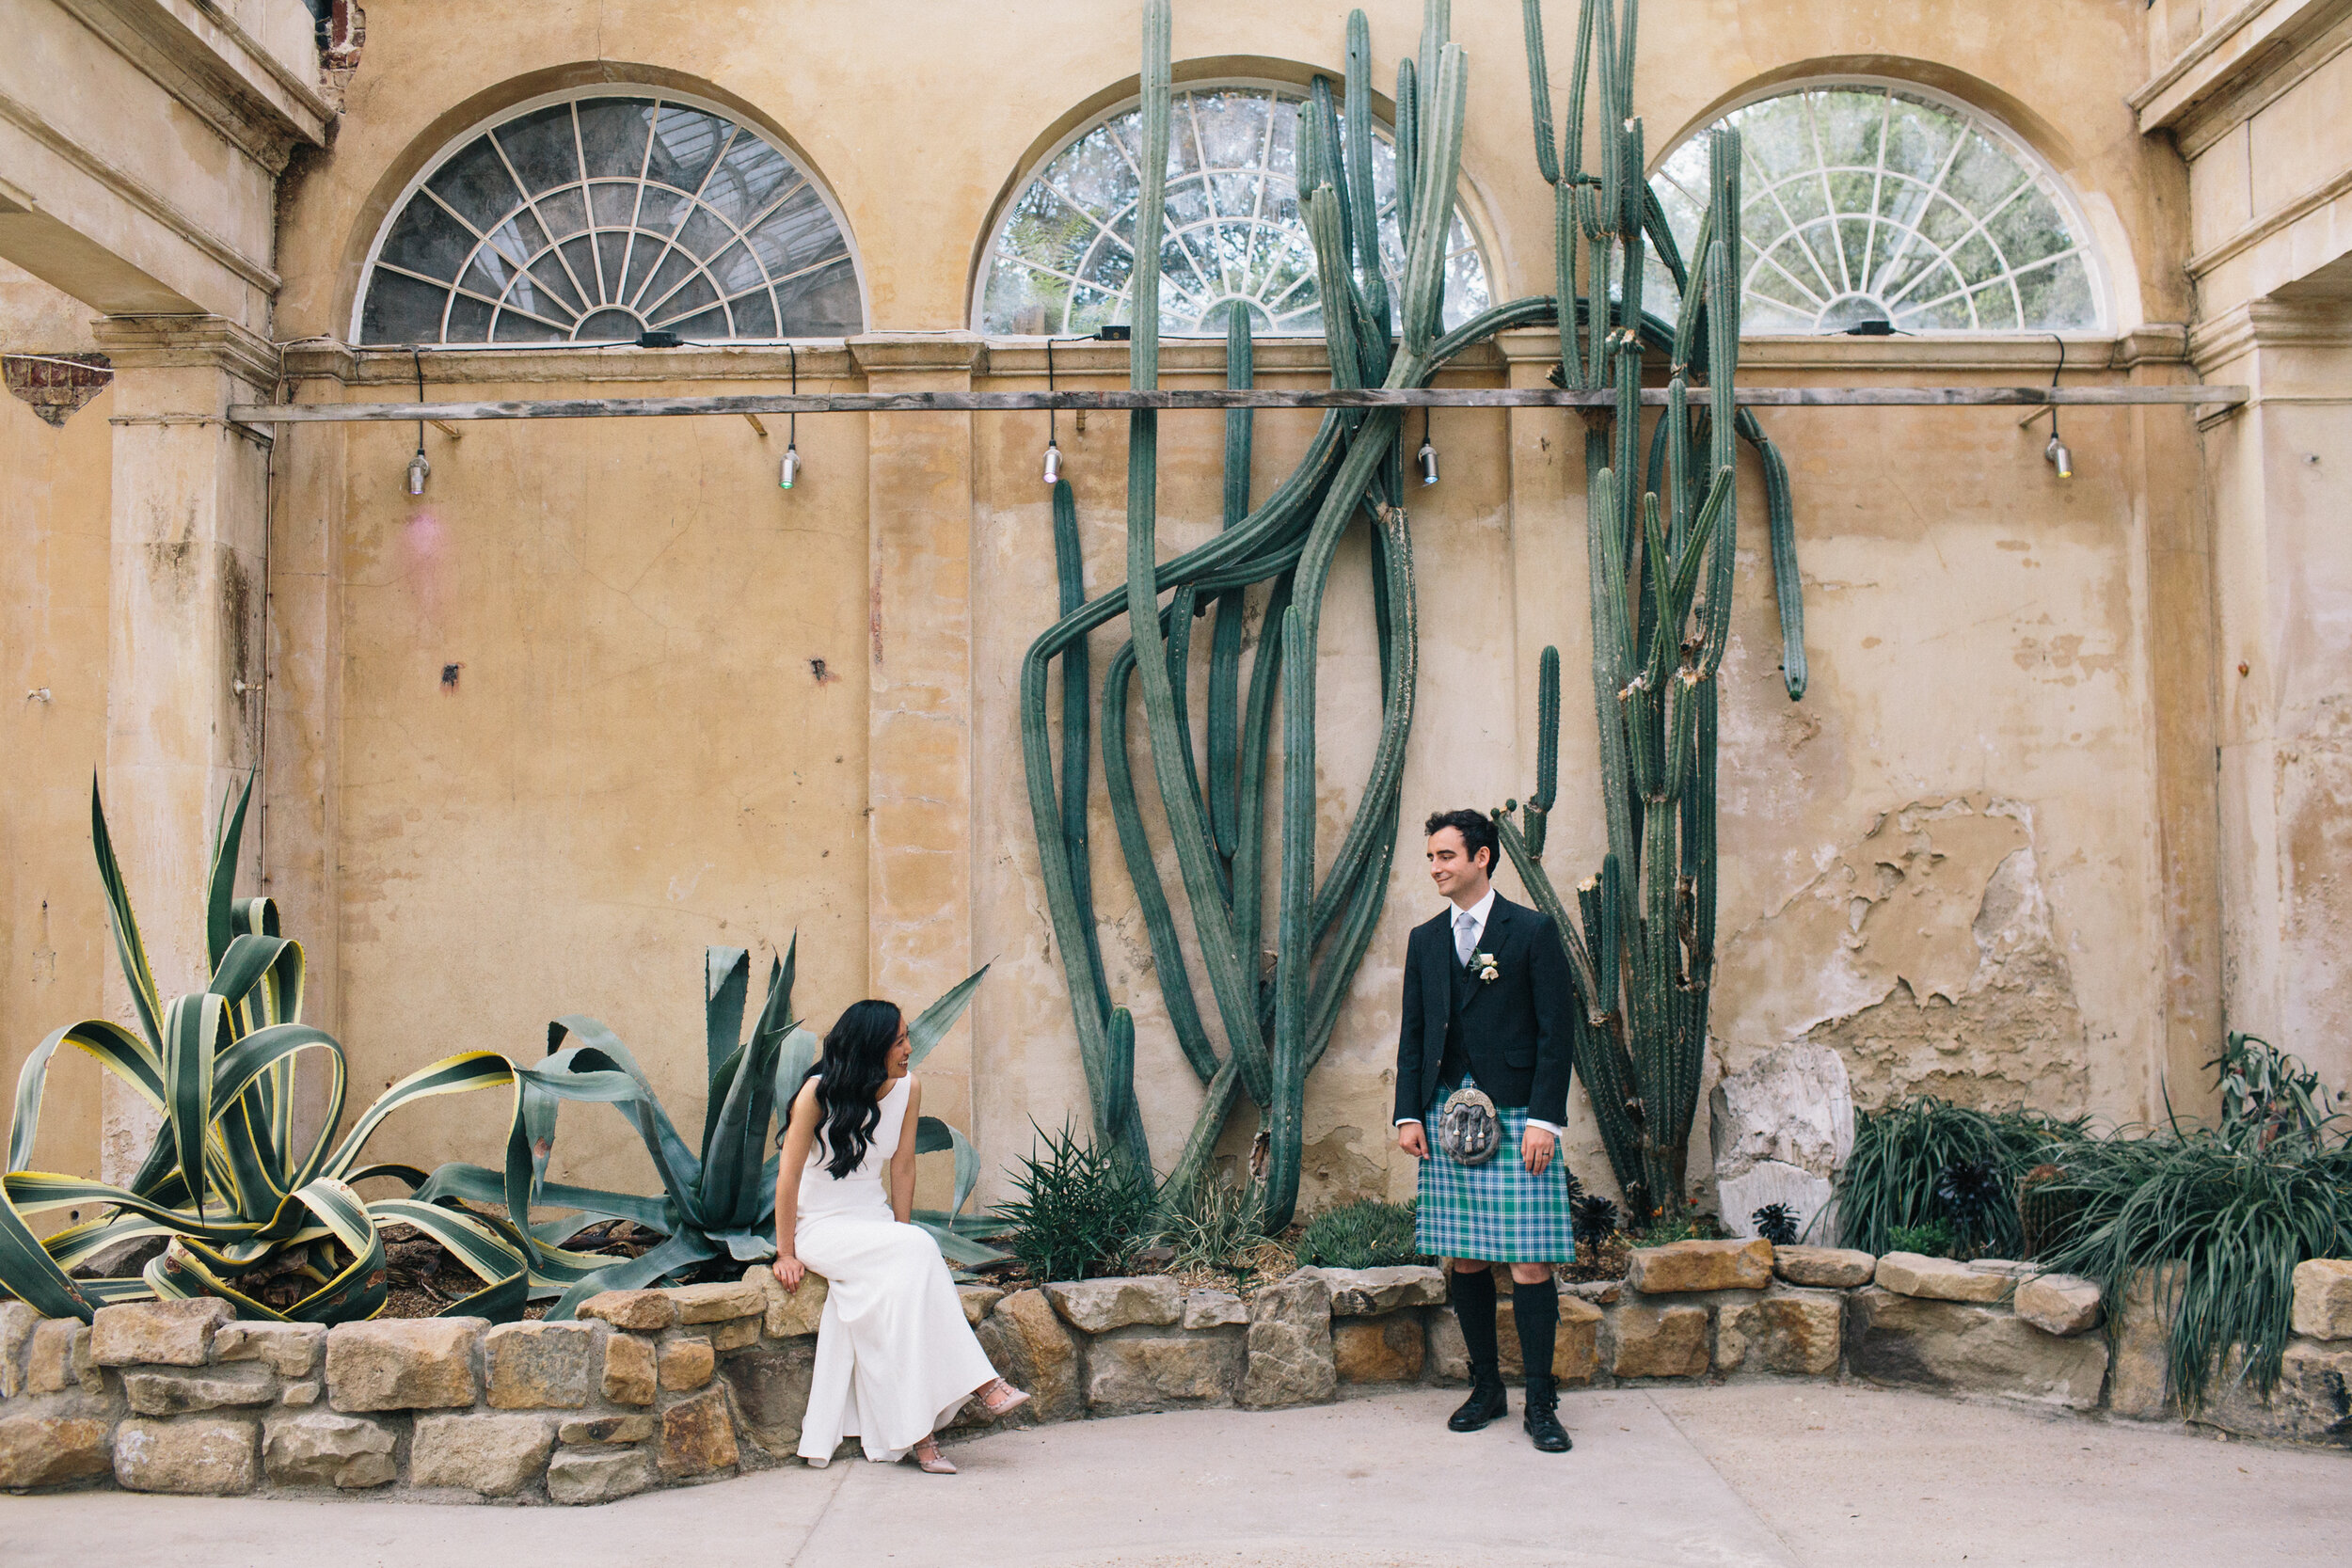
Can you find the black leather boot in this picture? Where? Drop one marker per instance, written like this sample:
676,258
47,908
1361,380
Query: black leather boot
1542,1415
1486,1402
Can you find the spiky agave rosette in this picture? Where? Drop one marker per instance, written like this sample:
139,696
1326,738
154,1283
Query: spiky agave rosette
228,1182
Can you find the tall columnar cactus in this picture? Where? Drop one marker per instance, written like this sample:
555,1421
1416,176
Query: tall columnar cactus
1277,559
1661,548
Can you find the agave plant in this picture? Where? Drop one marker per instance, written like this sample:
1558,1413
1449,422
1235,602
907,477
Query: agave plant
228,1182
722,1202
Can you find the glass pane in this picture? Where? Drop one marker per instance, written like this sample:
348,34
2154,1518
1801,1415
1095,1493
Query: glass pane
469,320
737,269
581,258
754,315
2057,295
612,251
401,311
797,235
512,328
685,144
613,203
705,234
1997,308
2028,229
644,255
564,213
476,183
748,179
540,146
823,304
708,325
677,266
613,133
546,274
425,238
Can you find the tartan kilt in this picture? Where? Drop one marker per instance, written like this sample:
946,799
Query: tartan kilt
1495,1212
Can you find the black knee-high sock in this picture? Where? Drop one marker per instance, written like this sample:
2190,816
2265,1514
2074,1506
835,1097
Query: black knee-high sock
1535,1311
1474,1307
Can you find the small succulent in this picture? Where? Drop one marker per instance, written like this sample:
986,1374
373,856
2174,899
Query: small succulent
1969,1189
1776,1223
1595,1217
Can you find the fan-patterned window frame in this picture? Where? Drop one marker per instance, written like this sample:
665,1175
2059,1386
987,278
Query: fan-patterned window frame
773,243
1272,208
1997,244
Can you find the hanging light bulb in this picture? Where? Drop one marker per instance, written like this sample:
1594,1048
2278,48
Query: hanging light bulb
1052,423
418,471
1427,456
2060,458
791,469
1052,464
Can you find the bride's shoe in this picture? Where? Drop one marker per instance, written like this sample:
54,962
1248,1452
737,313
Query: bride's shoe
926,1457
1000,1399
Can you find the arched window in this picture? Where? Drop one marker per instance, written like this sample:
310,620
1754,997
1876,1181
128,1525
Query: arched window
593,218
1062,260
1866,204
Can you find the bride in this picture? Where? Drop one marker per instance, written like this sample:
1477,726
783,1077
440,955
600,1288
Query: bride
895,1357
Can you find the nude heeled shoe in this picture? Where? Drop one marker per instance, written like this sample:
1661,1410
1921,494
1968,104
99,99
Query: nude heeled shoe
929,1460
1000,1399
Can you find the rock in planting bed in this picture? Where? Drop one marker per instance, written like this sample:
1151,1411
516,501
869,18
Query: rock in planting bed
664,1387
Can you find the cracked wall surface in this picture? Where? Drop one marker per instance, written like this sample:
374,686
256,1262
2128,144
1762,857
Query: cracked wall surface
1924,955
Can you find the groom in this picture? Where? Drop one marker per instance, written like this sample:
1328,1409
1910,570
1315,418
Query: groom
1486,999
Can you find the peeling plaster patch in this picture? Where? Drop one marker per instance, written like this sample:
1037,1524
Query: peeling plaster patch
1923,954
1332,1171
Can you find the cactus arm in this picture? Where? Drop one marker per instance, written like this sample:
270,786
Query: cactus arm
1231,607
1365,233
1408,141
1540,92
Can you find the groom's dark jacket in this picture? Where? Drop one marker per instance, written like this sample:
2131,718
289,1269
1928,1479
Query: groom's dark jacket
1512,1032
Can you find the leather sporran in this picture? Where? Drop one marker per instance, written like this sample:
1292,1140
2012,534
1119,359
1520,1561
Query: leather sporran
1468,1129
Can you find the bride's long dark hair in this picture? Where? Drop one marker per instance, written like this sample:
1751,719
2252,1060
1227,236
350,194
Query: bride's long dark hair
850,1076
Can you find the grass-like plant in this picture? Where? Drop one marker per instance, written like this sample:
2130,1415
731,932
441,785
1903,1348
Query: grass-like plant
718,1198
228,1182
1366,1234
1902,1154
2231,1211
1215,1224
1078,1211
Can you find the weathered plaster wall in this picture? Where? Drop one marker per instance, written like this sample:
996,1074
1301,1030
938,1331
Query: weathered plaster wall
633,756
1960,853
53,505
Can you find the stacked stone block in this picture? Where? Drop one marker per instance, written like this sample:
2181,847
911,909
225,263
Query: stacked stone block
661,1388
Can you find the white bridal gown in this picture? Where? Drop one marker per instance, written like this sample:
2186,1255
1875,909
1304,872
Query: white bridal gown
895,1357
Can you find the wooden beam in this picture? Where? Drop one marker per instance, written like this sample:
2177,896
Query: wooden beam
1213,399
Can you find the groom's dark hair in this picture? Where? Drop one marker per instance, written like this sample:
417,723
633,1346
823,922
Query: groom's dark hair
1476,828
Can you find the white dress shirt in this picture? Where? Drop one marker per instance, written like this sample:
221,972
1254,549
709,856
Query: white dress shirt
1470,926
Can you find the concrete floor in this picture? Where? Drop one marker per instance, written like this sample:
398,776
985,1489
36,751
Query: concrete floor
1785,1474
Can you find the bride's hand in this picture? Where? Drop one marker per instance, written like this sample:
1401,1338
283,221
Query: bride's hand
790,1270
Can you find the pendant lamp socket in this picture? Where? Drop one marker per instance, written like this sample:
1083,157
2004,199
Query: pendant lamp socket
2060,458
418,471
1427,457
791,469
1052,463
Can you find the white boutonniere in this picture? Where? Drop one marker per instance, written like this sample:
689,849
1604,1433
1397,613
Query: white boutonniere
1485,964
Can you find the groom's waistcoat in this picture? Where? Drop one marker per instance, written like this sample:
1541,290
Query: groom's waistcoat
1511,1033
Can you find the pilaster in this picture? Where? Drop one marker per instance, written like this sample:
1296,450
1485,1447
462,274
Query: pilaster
919,756
187,577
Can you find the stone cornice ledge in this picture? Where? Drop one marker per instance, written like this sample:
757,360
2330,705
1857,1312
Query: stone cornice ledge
201,57
180,342
963,354
2269,323
331,359
2153,343
2232,52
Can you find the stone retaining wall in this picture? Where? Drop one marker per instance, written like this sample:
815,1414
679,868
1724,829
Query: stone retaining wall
692,1383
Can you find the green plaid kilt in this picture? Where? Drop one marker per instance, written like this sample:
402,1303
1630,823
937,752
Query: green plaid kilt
1496,1212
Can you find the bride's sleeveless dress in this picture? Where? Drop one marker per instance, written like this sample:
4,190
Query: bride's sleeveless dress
895,1356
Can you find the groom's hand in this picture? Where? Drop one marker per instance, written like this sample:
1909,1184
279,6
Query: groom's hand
1536,1150
1410,1138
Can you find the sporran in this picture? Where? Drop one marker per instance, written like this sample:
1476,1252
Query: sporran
1468,1128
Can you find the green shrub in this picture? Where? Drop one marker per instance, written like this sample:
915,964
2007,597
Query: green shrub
1216,1225
2233,1209
1934,1239
1901,1156
1366,1234
1079,1213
